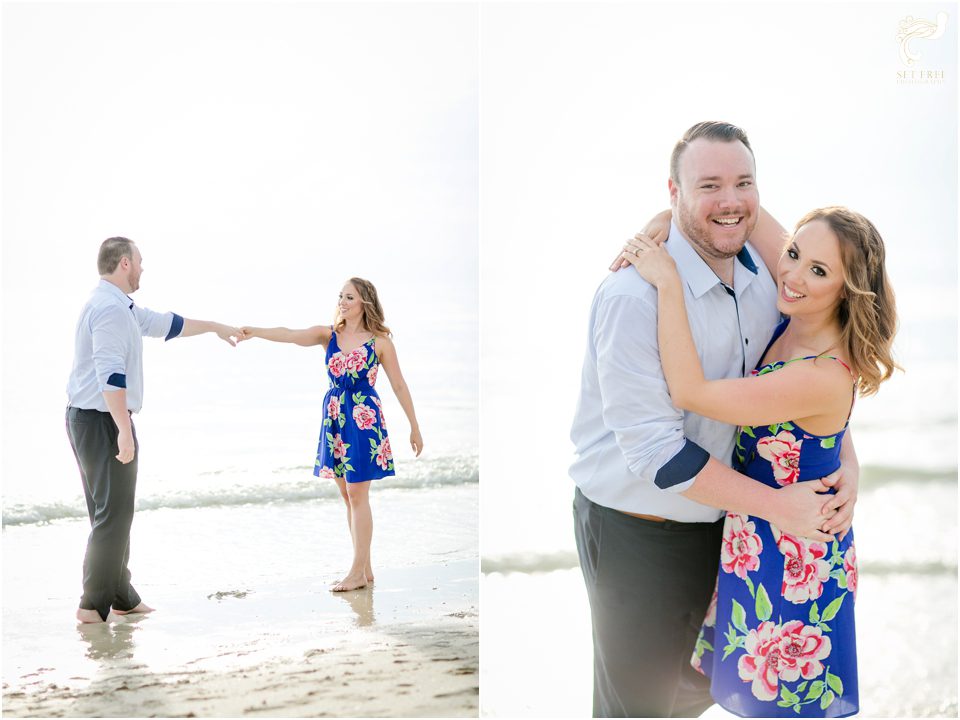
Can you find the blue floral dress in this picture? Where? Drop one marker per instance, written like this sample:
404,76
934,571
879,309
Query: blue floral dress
778,639
353,443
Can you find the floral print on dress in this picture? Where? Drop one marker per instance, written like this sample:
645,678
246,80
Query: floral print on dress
741,546
850,569
779,639
804,569
783,452
353,418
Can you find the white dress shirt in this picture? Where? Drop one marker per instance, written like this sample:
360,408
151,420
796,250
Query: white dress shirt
635,450
108,347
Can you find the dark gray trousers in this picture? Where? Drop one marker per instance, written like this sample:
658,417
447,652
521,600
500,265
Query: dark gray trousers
109,487
649,585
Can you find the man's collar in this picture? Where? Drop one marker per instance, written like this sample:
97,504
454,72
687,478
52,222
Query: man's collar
700,278
116,292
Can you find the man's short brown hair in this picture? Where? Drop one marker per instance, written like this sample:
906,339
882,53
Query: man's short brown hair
111,251
711,130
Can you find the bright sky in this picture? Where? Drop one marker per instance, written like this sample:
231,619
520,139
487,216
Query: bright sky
258,153
581,106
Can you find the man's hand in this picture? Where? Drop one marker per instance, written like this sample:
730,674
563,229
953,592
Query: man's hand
229,334
126,446
840,506
800,511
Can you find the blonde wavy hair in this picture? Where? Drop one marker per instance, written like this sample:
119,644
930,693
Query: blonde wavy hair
372,309
867,309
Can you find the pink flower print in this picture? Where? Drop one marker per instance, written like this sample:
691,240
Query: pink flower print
333,408
802,647
372,375
384,456
804,567
327,473
760,665
850,568
783,452
364,416
741,546
356,359
339,447
711,617
338,365
383,420
697,663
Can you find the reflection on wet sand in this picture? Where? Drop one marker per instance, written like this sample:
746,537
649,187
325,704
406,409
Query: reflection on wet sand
361,602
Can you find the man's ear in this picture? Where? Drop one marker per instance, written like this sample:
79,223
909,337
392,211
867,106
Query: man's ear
674,192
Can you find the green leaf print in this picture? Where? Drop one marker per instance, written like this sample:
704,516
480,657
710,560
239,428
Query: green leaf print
814,613
348,466
831,610
359,397
329,437
749,582
342,420
787,426
764,608
728,650
739,617
826,700
841,579
327,422
788,696
827,443
835,683
373,444
816,690
802,686
749,431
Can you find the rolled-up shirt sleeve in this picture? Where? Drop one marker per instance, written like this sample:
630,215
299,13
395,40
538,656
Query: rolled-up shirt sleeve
153,324
110,347
636,401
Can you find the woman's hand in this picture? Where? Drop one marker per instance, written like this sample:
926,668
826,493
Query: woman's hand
416,442
658,230
650,259
246,332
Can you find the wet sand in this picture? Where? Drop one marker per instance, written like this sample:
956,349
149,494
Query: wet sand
245,623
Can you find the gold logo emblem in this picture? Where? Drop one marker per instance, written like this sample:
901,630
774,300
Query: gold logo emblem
912,28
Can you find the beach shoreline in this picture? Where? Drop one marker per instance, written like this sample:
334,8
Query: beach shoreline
406,647
245,621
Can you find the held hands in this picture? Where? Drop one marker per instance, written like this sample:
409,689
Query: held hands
126,446
245,333
228,334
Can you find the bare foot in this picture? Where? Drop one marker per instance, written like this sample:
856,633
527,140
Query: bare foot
350,582
141,608
88,616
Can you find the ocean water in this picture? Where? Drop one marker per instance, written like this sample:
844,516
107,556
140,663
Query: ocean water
227,426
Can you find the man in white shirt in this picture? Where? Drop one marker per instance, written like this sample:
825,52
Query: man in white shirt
104,390
651,479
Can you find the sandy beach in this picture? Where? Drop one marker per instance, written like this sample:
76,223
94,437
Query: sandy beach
248,627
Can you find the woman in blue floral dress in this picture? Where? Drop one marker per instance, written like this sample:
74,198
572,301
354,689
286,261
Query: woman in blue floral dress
354,448
778,639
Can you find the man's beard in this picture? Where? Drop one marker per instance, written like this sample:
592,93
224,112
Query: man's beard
699,233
